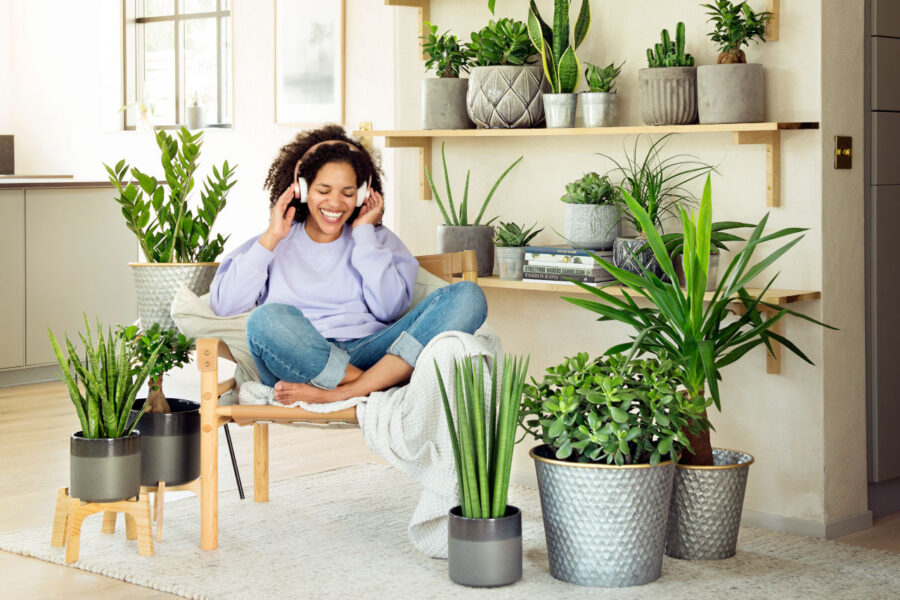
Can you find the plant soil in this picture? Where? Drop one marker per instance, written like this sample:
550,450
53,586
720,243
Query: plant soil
731,57
156,400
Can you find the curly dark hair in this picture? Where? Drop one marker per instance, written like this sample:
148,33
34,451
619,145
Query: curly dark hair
281,172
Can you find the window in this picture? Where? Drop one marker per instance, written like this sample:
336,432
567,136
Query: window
178,55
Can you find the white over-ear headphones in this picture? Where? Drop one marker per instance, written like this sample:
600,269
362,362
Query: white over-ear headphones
301,187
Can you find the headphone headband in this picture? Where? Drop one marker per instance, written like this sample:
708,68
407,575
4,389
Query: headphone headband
314,146
300,185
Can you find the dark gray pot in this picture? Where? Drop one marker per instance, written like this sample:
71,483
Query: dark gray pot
731,93
592,226
506,96
444,103
605,525
626,256
480,238
559,109
170,443
510,263
707,502
668,95
106,469
712,277
485,552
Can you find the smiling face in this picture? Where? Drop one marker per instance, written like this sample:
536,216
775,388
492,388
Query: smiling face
332,199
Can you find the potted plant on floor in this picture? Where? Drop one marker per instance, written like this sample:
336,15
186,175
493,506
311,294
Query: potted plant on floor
561,65
709,483
485,533
176,241
592,214
733,90
598,106
444,97
612,429
457,233
105,456
510,240
669,84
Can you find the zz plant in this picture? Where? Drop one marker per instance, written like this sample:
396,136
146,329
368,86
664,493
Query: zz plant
734,26
560,62
445,54
668,53
511,235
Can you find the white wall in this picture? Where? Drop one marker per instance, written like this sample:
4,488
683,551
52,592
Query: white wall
6,67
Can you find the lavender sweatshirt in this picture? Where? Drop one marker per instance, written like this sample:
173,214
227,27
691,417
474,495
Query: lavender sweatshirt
348,289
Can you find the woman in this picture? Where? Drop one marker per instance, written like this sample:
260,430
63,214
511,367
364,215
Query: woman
330,283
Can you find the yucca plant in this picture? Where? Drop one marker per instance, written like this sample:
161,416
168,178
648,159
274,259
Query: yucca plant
484,432
512,235
560,62
103,386
668,53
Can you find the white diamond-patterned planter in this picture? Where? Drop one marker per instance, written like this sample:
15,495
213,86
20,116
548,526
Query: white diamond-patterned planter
506,96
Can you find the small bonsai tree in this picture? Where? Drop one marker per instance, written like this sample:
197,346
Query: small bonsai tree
511,235
590,189
735,25
504,42
561,64
602,80
668,53
173,351
445,54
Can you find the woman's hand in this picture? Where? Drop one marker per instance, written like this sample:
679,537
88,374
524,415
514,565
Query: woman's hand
371,211
280,220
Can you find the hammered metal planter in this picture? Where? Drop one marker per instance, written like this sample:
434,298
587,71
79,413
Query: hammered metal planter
626,256
506,96
605,525
485,552
104,469
480,238
157,283
170,443
705,514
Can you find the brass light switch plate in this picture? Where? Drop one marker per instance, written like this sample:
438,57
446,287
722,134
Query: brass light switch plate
843,152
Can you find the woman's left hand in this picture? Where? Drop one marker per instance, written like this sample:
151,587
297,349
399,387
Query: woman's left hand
371,211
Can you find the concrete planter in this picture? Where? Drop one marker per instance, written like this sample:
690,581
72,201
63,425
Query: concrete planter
444,103
559,109
732,93
104,469
592,226
510,262
170,443
157,283
506,96
598,109
485,552
668,95
480,238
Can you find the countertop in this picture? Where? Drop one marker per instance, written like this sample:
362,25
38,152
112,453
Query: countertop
18,182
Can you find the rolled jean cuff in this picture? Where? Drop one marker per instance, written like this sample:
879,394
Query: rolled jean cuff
406,347
334,370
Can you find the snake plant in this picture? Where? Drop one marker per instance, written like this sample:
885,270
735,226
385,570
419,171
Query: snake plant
561,64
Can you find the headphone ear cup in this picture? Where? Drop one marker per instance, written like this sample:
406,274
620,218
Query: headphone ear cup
361,194
302,189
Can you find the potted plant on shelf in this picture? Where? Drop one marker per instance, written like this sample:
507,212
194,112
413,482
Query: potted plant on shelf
612,429
177,242
485,533
444,97
720,233
709,483
504,87
510,240
669,84
598,106
592,214
457,233
105,456
558,57
733,90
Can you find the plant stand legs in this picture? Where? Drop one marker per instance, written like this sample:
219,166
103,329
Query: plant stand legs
159,491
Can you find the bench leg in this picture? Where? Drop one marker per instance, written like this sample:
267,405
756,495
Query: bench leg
261,462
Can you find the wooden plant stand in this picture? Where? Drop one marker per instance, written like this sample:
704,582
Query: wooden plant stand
159,492
71,512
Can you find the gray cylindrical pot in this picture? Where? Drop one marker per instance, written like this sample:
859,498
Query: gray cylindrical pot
668,95
480,238
605,525
506,96
485,552
104,469
705,514
559,109
157,283
510,262
170,443
712,277
598,109
444,103
593,226
626,256
731,93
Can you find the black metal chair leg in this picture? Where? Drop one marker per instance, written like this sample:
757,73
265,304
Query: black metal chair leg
237,473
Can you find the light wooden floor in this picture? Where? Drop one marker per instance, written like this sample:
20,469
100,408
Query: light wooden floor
35,424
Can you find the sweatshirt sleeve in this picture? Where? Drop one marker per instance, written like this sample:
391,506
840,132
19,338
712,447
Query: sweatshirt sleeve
388,271
241,280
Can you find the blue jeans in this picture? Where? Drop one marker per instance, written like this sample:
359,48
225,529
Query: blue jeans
286,346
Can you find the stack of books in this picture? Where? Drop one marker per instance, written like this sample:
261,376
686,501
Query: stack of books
559,263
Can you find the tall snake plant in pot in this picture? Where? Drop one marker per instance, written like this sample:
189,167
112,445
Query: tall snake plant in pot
485,533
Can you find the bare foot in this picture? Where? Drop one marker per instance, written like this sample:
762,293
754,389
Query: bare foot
287,392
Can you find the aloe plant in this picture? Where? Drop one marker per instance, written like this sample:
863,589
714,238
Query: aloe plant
669,53
561,64
512,235
483,434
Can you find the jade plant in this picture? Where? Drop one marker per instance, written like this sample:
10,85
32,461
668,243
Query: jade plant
173,352
484,431
104,385
511,235
590,189
561,65
462,217
601,79
159,213
445,54
503,42
668,53
735,25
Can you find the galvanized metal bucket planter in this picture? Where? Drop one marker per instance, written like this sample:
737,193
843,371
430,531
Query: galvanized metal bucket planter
593,226
170,443
705,514
510,263
485,552
605,525
598,109
104,469
559,110
157,283
480,238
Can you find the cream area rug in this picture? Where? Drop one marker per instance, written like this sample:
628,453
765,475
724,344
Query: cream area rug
342,534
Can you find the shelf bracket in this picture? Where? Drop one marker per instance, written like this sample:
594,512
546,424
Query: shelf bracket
773,359
772,141
423,15
773,26
423,144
